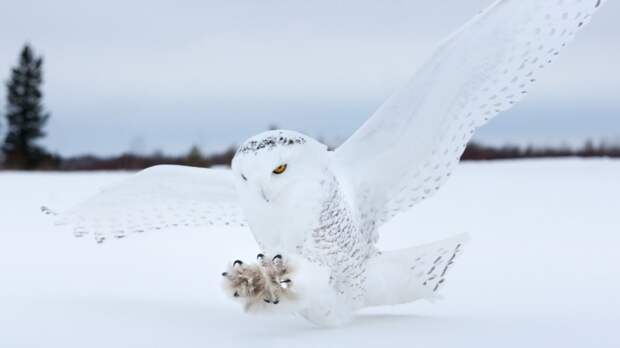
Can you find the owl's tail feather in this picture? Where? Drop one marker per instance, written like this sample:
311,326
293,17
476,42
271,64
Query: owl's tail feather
406,275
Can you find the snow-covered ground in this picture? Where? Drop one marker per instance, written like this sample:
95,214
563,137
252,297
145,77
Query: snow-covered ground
542,270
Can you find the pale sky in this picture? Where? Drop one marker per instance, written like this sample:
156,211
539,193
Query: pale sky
163,75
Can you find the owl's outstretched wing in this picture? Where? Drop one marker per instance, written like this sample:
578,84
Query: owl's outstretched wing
409,147
156,198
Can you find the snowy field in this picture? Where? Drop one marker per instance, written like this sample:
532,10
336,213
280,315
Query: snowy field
542,270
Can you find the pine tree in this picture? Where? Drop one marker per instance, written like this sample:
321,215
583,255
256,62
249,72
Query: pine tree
24,113
195,158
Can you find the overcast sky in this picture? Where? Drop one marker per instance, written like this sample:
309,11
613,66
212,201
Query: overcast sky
147,75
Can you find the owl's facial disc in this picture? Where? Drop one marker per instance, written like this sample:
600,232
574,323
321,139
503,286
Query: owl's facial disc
274,164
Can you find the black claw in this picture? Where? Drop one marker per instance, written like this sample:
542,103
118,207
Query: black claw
286,281
266,300
276,301
277,257
224,274
260,256
237,262
236,294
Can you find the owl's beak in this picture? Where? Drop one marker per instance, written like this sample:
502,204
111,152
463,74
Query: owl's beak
262,193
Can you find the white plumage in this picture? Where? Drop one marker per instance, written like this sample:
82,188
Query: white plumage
322,210
157,198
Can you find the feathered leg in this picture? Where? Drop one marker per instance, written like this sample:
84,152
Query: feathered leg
287,285
267,282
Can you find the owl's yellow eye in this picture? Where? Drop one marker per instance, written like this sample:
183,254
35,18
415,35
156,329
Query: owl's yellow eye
280,169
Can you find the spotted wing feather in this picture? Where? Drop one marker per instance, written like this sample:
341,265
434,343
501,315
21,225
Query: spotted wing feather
405,275
408,149
157,198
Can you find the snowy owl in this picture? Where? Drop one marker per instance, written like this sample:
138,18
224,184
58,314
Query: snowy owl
316,213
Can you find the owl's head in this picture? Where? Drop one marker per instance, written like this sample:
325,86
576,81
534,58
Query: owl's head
279,164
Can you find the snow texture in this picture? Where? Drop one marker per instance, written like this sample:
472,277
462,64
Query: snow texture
541,269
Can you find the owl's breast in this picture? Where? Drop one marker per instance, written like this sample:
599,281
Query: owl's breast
284,225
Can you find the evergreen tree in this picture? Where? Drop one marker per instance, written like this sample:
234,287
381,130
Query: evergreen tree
25,115
195,158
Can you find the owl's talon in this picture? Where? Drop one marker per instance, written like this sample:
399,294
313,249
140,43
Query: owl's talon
260,283
277,260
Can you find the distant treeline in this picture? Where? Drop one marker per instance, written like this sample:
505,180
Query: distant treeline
26,119
195,158
135,162
475,151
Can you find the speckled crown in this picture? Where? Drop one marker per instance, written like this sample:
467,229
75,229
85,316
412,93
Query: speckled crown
271,140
